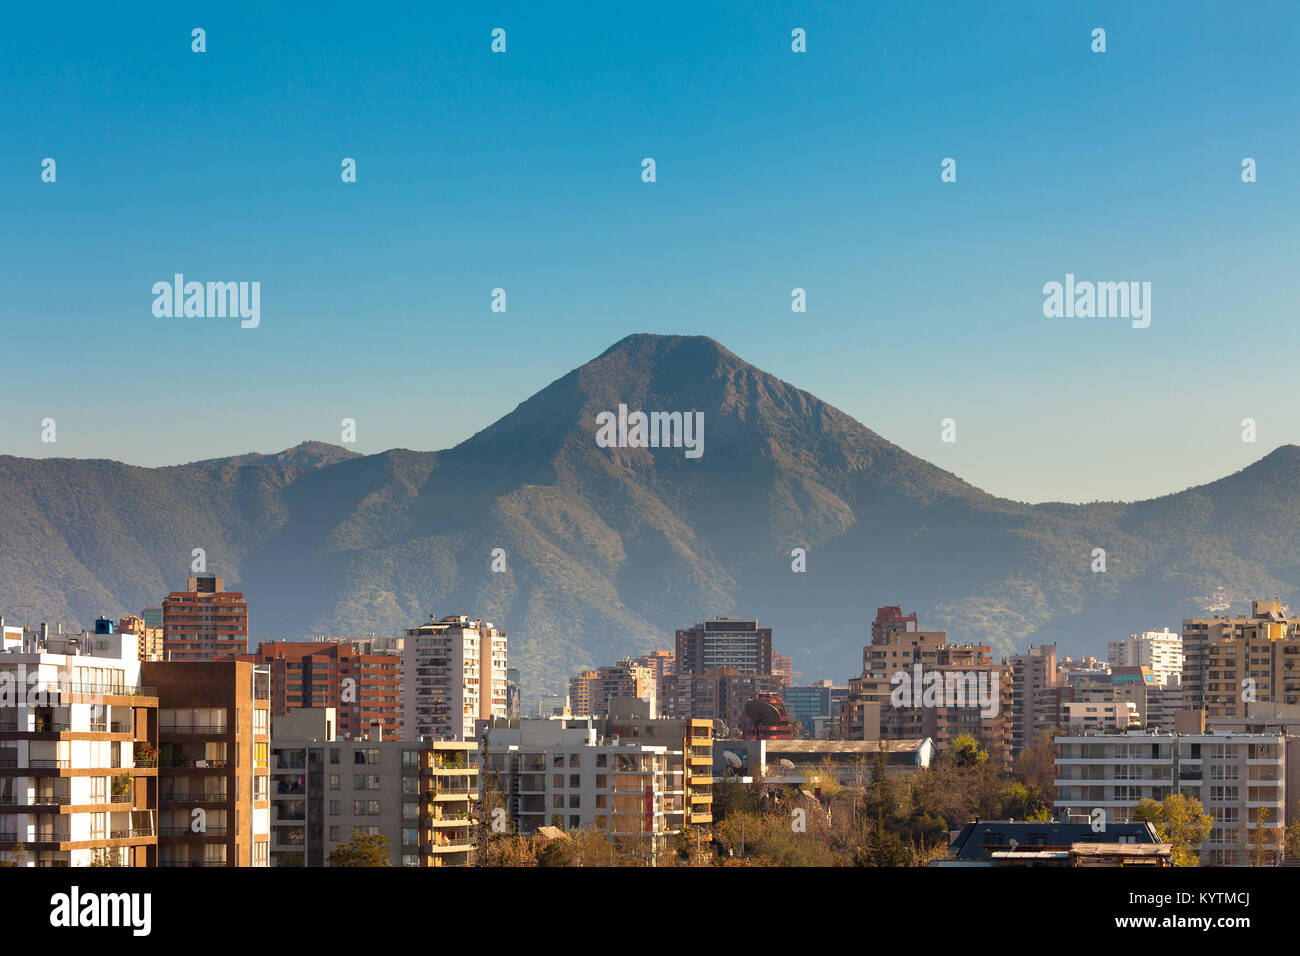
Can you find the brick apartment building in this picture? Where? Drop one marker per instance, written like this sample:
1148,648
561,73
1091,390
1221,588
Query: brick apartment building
205,622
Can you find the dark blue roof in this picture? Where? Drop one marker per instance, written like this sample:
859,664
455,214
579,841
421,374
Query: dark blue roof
977,840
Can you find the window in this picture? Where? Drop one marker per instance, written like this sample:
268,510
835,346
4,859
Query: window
334,808
334,834
358,781
575,781
334,755
410,758
261,852
334,781
557,781
261,721
602,760
261,788
410,837
259,754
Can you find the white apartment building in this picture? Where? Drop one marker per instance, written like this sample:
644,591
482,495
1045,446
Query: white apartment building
453,673
78,738
1100,717
1239,778
562,773
1162,651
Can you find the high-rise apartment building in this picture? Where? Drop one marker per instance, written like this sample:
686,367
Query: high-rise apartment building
78,736
453,674
1230,662
214,736
1034,677
364,688
205,622
1162,651
421,796
742,644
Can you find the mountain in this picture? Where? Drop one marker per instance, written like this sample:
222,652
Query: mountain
608,550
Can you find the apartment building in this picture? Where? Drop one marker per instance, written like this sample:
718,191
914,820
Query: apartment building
1035,677
663,665
78,739
567,774
1232,661
421,796
205,622
977,697
742,644
453,674
214,735
591,691
149,638
1100,717
1161,651
364,688
1240,779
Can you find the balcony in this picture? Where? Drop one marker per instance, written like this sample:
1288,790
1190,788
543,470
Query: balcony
131,834
180,796
214,730
187,831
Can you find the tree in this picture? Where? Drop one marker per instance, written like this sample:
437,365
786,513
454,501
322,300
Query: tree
1293,839
967,752
364,849
1181,822
1036,764
883,848
17,856
1266,843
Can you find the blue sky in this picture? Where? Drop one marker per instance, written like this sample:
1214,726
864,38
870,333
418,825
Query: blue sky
775,170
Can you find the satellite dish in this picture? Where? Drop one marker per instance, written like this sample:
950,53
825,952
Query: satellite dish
720,729
732,760
762,712
786,764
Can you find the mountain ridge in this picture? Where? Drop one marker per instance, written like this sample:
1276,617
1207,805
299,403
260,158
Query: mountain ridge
609,549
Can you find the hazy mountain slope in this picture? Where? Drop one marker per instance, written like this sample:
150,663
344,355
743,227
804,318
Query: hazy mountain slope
609,549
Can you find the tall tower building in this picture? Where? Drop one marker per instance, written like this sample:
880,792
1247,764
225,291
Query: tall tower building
205,622
453,673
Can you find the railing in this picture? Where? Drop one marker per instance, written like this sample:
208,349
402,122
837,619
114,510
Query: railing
187,831
183,797
8,763
130,833
7,837
196,763
47,835
43,764
194,728
60,687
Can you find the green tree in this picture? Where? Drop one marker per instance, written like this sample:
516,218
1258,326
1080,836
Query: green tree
1181,822
364,849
